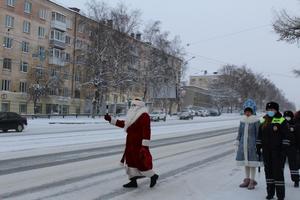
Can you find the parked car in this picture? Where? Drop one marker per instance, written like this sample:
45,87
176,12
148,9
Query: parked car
213,112
157,116
11,120
203,113
185,114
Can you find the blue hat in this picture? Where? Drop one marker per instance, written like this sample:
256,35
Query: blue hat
250,104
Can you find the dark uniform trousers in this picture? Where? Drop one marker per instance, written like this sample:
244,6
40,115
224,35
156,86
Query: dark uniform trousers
293,165
274,171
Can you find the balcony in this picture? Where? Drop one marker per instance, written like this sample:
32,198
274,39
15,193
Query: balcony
59,25
57,43
56,61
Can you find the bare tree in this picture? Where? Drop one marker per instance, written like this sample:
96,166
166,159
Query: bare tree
288,29
111,52
41,81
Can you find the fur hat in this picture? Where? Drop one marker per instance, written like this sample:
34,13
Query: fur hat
272,105
288,113
138,102
250,104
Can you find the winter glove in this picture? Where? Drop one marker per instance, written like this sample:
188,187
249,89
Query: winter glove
146,157
258,150
107,117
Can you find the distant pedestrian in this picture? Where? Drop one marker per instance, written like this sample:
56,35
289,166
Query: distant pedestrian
137,158
292,150
272,140
246,144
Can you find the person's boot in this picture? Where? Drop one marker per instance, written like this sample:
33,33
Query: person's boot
269,197
245,183
153,180
296,184
131,184
252,185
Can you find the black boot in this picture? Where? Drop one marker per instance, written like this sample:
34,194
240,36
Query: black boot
296,185
131,184
269,197
153,180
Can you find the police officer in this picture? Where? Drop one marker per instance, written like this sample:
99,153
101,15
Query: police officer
292,150
272,140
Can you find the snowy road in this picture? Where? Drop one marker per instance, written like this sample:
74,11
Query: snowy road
56,161
101,178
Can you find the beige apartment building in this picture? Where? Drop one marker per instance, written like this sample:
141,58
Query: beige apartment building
43,35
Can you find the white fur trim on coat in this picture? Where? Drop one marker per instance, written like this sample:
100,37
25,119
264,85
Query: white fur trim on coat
133,172
139,112
146,143
250,120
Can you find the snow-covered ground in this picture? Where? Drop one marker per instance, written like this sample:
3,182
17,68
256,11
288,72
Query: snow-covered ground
200,169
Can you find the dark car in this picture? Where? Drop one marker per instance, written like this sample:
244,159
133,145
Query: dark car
11,120
213,112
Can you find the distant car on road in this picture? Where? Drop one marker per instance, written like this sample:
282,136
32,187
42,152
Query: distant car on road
11,120
185,114
157,116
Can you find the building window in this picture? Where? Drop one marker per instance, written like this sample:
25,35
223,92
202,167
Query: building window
52,92
77,76
43,14
11,3
27,7
23,108
81,28
66,76
58,17
68,40
7,64
26,27
68,57
58,35
25,47
65,92
7,42
24,66
9,21
5,107
23,87
69,24
57,53
5,85
42,53
41,32
77,94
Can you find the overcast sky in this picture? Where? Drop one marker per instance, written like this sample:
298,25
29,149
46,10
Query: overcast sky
227,32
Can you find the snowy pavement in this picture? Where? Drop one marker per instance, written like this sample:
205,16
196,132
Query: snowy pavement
194,159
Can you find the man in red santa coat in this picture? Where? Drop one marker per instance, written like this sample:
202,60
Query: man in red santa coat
136,158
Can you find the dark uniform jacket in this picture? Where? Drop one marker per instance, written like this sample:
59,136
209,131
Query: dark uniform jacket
273,134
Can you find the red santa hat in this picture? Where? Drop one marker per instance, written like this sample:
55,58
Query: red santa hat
138,102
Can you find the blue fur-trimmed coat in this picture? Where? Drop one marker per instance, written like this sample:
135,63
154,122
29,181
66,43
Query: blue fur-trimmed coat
246,142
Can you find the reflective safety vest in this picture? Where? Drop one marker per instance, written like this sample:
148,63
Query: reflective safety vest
275,120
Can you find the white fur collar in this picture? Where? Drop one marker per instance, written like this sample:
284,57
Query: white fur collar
251,119
132,119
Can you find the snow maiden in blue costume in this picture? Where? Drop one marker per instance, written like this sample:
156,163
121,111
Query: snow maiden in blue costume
246,144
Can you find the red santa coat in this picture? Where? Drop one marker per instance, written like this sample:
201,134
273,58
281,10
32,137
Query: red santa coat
138,160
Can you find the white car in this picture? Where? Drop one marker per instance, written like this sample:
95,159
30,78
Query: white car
157,116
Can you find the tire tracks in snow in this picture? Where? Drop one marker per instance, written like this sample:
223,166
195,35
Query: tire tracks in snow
43,161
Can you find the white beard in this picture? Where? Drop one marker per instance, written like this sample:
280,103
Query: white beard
133,114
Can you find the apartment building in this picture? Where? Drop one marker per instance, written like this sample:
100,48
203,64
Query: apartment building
42,36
